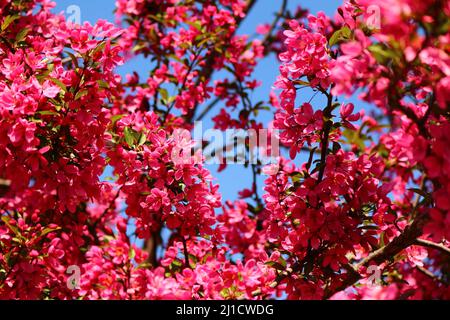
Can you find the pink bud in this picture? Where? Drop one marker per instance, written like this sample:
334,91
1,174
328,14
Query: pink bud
346,110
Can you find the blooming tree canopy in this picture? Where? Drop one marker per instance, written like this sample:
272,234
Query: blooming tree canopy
356,205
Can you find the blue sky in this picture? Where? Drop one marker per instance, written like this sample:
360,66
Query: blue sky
235,177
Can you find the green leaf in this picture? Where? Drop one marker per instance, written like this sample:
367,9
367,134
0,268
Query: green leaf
74,59
99,47
48,230
142,139
116,118
48,113
22,34
8,259
334,38
202,42
81,93
59,84
382,240
339,35
354,138
8,20
108,238
382,54
282,262
139,47
346,32
196,24
15,239
129,137
103,84
225,293
164,94
260,106
145,265
297,176
177,263
301,82
132,253
14,229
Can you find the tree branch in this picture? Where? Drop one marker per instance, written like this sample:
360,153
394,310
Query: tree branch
431,275
151,245
398,244
207,109
186,253
433,245
326,134
268,38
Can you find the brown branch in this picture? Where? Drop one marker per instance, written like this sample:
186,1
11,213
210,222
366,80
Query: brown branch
257,198
150,247
430,274
207,109
298,266
92,228
433,245
4,186
183,86
398,244
7,43
326,134
186,253
268,38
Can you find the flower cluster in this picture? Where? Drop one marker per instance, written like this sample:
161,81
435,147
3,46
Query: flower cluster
156,187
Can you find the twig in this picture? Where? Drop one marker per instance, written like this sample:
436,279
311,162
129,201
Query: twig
398,244
431,275
186,253
180,90
257,199
433,245
267,39
207,109
111,205
326,134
